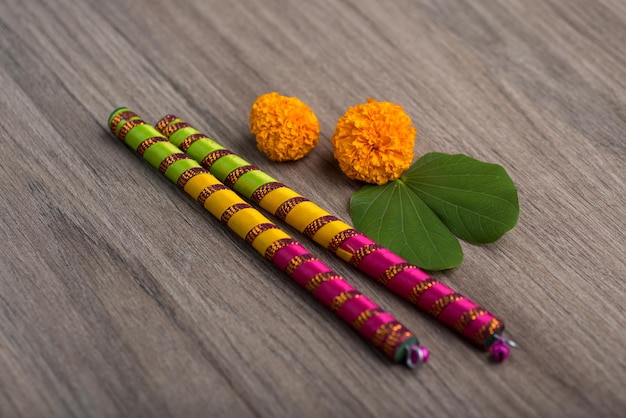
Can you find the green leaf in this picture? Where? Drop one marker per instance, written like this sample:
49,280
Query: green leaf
476,200
393,216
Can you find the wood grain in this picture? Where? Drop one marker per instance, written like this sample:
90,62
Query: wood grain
121,297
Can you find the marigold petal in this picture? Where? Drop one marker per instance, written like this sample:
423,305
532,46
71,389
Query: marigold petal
373,142
285,128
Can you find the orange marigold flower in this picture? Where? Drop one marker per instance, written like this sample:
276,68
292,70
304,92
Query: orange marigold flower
286,129
374,142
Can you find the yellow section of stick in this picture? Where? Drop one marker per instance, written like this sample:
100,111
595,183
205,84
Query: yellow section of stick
267,238
326,234
246,219
199,182
219,201
272,201
303,214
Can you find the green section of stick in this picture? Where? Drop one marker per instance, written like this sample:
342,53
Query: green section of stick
179,136
199,149
222,167
251,181
174,171
138,134
159,151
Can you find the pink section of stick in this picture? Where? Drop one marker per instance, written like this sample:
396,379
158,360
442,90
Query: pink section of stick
327,291
473,327
352,244
451,314
403,283
284,255
433,293
369,328
308,270
354,307
377,263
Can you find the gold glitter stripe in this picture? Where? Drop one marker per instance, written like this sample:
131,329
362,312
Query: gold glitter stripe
286,207
297,261
257,230
232,210
398,334
343,297
234,175
145,144
263,190
419,289
162,124
186,143
118,118
382,332
363,252
212,157
487,330
171,159
127,127
441,303
393,271
188,175
270,252
208,191
171,129
312,228
468,317
315,281
364,317
338,239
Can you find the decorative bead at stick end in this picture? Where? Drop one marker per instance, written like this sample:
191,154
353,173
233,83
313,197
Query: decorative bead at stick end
417,355
500,349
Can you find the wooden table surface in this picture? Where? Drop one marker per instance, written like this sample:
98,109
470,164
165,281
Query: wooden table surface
120,296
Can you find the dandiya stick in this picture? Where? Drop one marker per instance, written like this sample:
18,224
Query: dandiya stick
403,278
378,327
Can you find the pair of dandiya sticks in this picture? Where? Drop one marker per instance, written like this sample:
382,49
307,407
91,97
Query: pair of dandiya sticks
216,177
